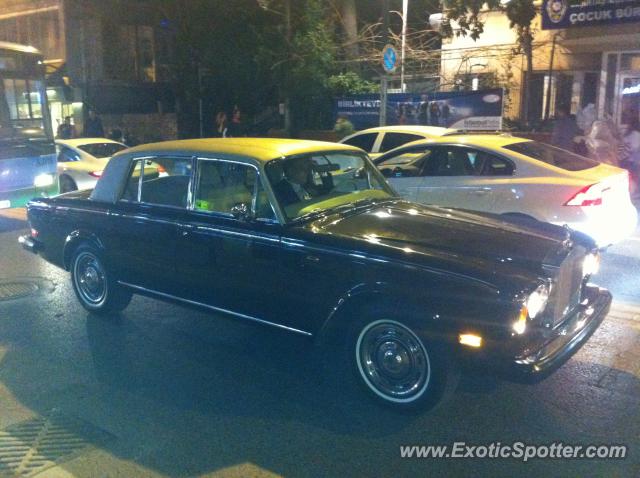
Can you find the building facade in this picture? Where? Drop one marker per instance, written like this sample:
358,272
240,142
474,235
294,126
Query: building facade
111,56
584,53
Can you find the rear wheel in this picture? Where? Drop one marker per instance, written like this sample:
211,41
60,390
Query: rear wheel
67,184
94,286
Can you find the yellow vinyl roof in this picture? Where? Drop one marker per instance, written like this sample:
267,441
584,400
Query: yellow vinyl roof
262,149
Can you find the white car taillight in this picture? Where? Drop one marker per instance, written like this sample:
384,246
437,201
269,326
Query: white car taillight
588,196
95,174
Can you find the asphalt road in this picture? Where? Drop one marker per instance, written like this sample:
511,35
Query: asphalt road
168,391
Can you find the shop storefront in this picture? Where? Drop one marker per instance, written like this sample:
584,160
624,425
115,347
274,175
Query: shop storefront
614,23
586,55
621,95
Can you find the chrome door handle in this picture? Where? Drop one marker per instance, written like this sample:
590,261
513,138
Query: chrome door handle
186,229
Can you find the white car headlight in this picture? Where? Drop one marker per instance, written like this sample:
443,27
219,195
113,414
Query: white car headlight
537,300
591,264
43,180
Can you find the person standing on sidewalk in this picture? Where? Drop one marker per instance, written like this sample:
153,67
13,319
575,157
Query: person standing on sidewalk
565,130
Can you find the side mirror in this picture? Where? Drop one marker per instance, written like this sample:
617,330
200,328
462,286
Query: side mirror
241,211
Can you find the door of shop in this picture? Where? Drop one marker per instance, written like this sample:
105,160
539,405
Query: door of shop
629,97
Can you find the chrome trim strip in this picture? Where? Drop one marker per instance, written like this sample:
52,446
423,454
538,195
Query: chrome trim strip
272,238
216,309
80,209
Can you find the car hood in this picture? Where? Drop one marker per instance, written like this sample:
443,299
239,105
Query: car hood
484,246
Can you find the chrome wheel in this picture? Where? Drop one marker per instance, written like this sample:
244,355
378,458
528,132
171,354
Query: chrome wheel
393,361
90,279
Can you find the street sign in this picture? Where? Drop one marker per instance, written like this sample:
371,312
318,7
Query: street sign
389,58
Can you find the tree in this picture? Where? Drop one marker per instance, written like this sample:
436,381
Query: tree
349,22
467,15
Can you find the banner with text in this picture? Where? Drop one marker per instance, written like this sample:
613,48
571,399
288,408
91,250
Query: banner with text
571,13
468,110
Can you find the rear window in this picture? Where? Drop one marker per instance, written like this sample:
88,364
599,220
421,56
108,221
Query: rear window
102,150
552,155
393,140
363,141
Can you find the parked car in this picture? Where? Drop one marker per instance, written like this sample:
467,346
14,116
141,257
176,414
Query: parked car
81,161
376,141
309,238
505,175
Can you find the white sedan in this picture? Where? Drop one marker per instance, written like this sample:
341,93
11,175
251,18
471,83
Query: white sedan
81,161
517,177
376,141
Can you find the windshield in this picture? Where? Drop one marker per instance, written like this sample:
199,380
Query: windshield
319,182
21,106
552,155
102,150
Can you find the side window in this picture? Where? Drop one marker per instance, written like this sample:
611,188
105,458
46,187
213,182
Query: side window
407,163
222,185
161,181
489,165
393,140
67,155
363,141
451,161
130,192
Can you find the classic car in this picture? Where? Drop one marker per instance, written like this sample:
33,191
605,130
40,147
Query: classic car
308,237
502,174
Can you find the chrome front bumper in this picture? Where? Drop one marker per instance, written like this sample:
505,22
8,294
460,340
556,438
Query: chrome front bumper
567,337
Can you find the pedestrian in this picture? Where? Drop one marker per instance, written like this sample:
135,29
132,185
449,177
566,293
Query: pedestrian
93,126
565,130
445,114
602,142
423,115
236,127
343,127
630,150
66,130
220,130
116,135
434,114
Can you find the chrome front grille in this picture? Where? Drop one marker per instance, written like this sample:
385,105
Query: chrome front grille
567,287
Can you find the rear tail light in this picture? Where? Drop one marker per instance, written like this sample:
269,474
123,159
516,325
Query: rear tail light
587,196
34,233
95,174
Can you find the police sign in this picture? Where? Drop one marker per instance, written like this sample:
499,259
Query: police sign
572,13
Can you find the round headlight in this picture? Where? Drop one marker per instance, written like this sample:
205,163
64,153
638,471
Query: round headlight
537,300
591,264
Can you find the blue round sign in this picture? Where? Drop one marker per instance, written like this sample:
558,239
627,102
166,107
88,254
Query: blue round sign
389,58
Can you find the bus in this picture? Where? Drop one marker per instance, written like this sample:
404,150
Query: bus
27,151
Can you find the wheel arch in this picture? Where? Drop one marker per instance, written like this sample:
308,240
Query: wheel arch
367,298
74,240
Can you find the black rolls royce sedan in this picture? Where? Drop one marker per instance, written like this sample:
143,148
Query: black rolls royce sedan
309,238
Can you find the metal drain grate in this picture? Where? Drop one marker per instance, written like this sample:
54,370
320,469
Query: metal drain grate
15,290
29,447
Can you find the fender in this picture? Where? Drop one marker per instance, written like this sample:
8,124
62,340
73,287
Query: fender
76,237
366,294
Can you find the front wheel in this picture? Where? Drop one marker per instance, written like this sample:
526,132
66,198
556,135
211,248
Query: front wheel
95,288
398,367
